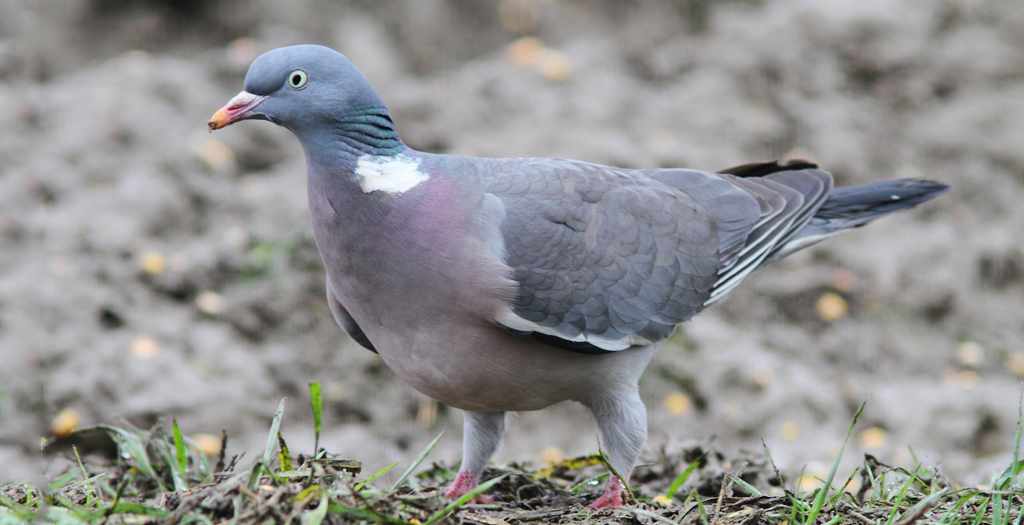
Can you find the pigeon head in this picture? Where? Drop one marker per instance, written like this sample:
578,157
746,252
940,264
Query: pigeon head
308,89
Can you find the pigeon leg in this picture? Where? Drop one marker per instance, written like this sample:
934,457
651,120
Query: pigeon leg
481,433
622,423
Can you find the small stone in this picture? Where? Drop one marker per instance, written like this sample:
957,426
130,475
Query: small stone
763,377
525,51
210,303
970,353
144,347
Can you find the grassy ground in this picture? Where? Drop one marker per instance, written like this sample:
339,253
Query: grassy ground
158,476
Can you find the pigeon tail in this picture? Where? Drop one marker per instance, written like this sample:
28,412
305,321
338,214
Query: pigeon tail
854,206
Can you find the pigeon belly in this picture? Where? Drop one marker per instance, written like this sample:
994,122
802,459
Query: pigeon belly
424,286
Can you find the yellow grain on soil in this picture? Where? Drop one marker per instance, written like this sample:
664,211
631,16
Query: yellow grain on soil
531,52
208,444
152,263
678,403
831,307
790,430
65,422
809,483
663,500
555,65
1015,363
873,438
552,455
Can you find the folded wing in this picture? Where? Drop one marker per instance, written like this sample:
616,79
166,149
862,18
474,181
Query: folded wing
606,259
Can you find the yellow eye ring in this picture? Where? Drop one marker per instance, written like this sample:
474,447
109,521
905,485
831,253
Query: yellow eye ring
297,79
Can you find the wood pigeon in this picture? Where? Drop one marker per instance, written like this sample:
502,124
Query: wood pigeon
506,284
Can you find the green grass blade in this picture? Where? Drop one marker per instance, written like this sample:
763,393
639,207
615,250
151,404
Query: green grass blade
415,464
652,516
366,514
284,455
997,510
275,427
819,500
702,513
922,506
181,453
747,487
375,476
316,403
954,512
622,479
900,496
176,476
254,475
979,516
317,515
464,499
90,486
681,478
130,444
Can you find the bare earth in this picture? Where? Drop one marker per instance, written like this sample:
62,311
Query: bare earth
149,269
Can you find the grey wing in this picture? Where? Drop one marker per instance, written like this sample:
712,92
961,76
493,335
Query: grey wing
758,209
604,259
346,322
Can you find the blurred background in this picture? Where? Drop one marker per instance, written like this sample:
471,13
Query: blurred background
150,269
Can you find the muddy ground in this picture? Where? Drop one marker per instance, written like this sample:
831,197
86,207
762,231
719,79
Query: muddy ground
149,269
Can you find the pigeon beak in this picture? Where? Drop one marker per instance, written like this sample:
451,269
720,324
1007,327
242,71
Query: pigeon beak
236,109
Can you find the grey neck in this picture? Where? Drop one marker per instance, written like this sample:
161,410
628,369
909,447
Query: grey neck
339,143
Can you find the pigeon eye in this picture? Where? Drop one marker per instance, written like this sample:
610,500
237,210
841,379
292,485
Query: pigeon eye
297,79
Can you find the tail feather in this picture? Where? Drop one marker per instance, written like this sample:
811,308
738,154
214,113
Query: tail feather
854,206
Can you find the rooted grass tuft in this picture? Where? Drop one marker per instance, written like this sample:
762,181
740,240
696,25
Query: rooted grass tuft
152,476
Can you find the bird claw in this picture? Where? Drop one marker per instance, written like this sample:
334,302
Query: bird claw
612,496
463,483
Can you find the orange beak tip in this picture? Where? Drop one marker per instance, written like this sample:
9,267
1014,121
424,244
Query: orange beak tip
218,120
235,110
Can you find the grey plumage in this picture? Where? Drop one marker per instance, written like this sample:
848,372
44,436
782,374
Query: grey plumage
471,277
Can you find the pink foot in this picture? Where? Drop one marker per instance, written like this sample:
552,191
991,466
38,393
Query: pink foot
463,483
612,497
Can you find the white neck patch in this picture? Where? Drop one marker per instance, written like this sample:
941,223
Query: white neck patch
390,174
